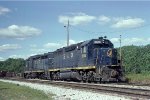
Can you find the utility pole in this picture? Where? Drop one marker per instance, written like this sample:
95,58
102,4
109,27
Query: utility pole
67,27
120,52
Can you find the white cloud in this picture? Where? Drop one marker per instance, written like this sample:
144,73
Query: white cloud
2,59
17,56
114,40
122,22
52,45
64,44
76,19
6,47
136,41
45,48
114,22
130,41
39,50
128,22
72,42
48,47
36,50
15,31
4,10
104,19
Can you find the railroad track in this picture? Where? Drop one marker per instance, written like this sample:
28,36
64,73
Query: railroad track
130,92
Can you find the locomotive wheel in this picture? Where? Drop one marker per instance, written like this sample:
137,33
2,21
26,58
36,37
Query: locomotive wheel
84,78
90,76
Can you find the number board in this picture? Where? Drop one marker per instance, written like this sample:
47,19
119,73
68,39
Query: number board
97,42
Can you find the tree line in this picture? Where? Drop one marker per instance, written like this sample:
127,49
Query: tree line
135,59
12,65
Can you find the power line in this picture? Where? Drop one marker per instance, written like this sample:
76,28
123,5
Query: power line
85,31
94,32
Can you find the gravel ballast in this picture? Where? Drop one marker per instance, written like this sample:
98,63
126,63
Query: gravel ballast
62,93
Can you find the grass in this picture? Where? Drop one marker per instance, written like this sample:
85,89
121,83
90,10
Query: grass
143,78
10,91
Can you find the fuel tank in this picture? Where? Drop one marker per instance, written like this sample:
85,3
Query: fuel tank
70,76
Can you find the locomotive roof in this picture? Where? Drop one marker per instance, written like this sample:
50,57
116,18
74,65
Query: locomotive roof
92,40
85,42
71,47
40,55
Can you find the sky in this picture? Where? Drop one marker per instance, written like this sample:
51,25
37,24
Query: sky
35,27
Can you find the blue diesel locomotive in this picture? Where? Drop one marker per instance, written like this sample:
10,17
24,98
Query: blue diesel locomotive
93,60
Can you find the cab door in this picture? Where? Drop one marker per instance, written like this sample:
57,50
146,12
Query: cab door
83,56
